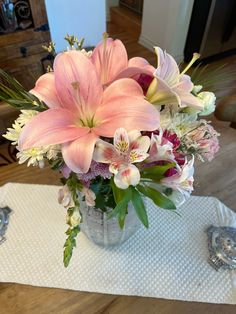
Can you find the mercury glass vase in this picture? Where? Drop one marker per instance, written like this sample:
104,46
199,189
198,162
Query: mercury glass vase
105,231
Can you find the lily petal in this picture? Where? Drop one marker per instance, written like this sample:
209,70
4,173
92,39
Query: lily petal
126,176
167,68
77,83
189,100
122,87
131,113
142,143
78,154
109,59
45,90
53,126
159,93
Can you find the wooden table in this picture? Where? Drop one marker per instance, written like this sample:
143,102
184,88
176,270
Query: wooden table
17,299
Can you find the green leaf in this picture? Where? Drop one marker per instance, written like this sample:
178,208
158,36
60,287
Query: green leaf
156,172
157,197
69,245
119,194
139,207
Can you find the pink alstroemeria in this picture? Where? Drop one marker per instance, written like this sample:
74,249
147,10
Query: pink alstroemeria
80,111
183,180
160,148
128,148
111,62
169,86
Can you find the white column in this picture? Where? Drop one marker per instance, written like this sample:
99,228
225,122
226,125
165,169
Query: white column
76,17
165,23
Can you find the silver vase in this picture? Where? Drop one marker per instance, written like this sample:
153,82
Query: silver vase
105,231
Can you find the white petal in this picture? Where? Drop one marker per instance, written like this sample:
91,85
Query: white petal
121,140
104,152
137,155
127,176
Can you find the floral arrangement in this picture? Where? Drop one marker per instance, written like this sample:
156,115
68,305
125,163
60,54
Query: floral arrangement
116,129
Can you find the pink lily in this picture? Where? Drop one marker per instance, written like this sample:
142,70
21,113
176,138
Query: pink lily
169,86
111,62
128,148
80,111
182,181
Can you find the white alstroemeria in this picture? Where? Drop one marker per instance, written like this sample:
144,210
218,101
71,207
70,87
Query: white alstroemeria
35,156
89,196
183,180
13,133
128,148
74,219
160,148
209,100
65,197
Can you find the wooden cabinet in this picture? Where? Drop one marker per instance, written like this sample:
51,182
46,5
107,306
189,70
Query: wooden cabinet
21,52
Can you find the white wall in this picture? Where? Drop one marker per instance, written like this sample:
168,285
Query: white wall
76,17
109,4
165,24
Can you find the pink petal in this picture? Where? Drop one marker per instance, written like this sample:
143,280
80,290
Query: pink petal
135,72
78,154
122,87
131,113
53,126
167,68
138,62
111,61
126,176
104,152
77,82
45,90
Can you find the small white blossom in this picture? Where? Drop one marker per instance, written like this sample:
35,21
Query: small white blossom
35,156
26,116
52,151
196,89
209,100
13,133
75,219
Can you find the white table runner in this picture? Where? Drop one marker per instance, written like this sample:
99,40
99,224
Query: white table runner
169,260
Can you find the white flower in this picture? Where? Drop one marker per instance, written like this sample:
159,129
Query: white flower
65,197
183,180
52,151
89,196
128,148
13,133
75,219
34,156
196,89
26,116
209,100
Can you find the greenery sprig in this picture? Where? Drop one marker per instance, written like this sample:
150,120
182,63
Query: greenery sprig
13,93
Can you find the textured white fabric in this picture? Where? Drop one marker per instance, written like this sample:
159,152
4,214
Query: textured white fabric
169,260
